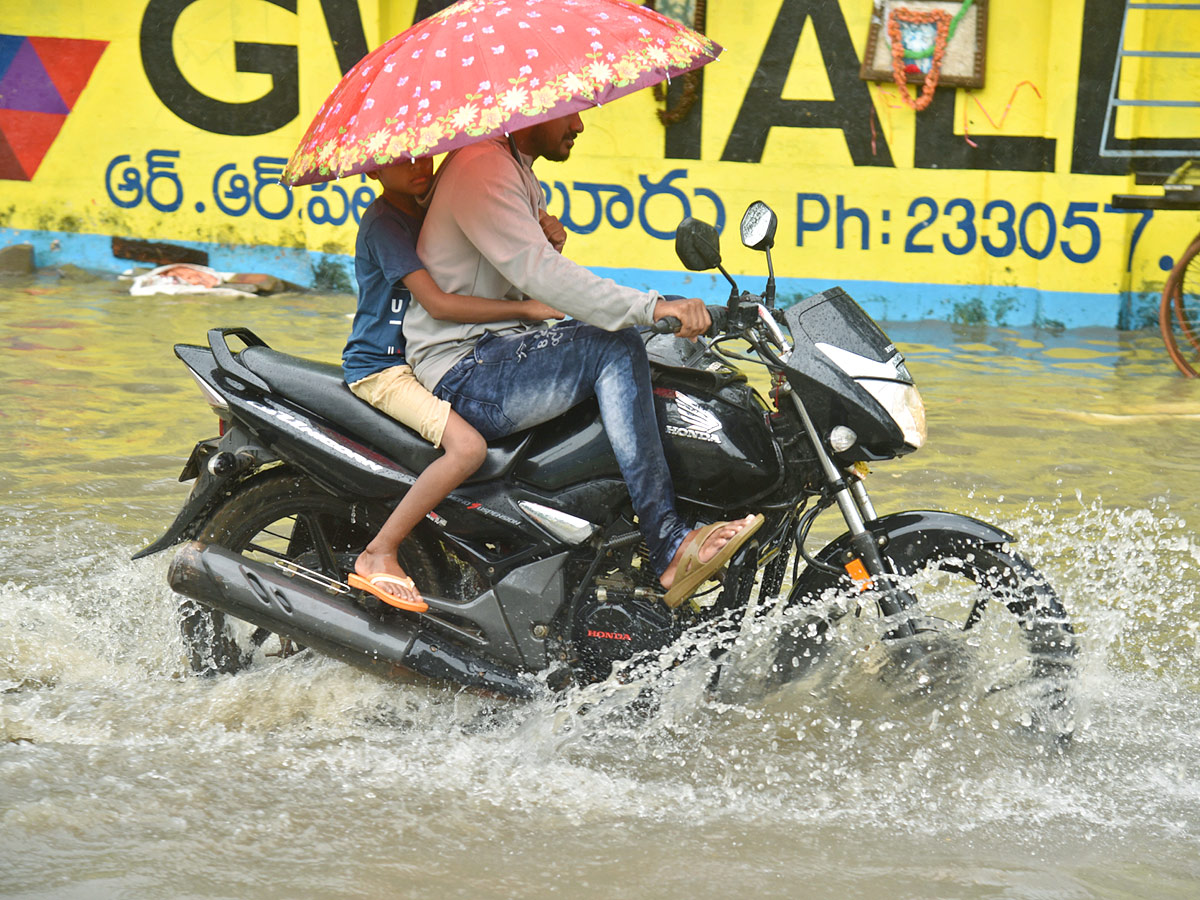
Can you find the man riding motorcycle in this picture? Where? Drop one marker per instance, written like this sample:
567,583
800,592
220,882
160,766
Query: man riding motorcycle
482,237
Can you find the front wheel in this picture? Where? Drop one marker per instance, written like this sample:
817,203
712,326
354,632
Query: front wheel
969,590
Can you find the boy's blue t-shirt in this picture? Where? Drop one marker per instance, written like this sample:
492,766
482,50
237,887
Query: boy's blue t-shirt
385,252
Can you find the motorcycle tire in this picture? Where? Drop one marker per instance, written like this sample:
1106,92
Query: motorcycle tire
279,515
965,585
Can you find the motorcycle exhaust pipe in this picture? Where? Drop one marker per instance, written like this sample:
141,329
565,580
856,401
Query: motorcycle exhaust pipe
294,608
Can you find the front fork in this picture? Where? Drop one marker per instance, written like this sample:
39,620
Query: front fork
863,561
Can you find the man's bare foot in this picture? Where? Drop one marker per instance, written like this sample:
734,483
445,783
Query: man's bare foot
710,548
374,563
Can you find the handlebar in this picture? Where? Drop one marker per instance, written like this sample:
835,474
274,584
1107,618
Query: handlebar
670,324
666,325
748,318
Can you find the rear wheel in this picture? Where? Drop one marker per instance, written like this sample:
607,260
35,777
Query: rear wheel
278,517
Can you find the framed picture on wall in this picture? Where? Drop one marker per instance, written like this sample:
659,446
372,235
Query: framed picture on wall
949,35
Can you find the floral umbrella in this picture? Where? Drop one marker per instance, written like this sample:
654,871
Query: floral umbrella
481,68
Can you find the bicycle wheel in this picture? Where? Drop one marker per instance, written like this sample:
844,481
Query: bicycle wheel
1179,311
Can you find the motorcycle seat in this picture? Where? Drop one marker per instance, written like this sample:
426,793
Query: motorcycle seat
321,388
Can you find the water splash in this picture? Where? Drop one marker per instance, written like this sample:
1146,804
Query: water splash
121,774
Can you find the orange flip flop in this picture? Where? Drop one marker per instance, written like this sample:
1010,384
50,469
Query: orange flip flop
370,585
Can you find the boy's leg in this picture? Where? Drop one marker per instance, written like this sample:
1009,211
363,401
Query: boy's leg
397,392
465,450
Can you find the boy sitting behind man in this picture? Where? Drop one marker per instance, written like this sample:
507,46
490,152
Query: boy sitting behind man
390,275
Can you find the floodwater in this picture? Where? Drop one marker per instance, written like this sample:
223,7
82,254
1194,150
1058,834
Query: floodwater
121,775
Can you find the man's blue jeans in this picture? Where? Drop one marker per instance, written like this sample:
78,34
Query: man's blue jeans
512,382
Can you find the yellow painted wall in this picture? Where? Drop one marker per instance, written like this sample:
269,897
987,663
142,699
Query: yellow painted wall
126,163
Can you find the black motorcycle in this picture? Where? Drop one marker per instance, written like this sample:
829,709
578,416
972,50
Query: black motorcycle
535,565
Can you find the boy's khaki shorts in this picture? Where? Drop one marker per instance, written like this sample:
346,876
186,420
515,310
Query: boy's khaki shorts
397,392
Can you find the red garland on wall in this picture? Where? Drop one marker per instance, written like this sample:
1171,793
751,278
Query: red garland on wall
899,72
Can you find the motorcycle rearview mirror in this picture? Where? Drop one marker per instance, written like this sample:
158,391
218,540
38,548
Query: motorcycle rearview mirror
758,226
698,247
758,233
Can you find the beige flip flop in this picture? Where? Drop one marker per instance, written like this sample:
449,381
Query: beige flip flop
692,573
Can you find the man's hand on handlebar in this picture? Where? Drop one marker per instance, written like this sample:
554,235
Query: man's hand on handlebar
692,315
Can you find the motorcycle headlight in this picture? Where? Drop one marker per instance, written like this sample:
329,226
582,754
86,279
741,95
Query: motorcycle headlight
889,383
903,403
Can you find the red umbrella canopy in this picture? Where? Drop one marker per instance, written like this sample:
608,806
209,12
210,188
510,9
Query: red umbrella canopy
481,68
